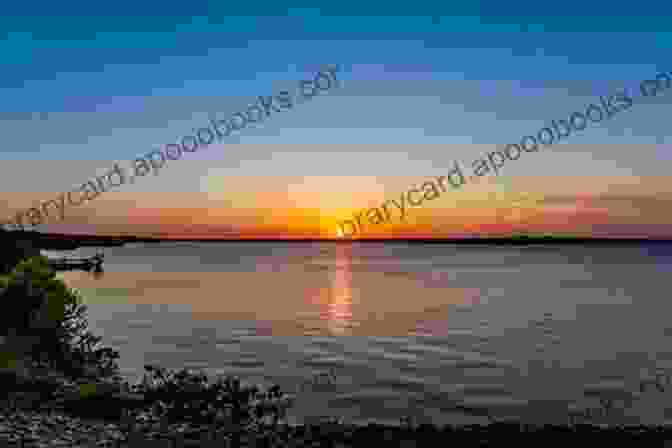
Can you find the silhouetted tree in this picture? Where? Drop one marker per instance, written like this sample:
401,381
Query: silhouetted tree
50,321
14,247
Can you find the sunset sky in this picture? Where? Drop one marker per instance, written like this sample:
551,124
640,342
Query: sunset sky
421,86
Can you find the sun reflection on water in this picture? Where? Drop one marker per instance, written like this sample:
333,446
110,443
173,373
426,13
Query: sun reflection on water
339,308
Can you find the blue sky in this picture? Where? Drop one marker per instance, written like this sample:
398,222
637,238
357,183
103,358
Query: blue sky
84,85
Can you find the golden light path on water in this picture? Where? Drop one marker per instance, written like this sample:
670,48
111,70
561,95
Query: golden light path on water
339,309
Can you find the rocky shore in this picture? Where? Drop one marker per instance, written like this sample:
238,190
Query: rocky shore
52,429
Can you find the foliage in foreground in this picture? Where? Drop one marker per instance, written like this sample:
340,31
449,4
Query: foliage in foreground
45,324
192,397
181,396
14,248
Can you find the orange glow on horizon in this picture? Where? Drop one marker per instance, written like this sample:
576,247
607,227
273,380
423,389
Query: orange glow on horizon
249,208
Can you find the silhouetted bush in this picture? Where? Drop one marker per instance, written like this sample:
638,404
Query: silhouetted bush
99,399
46,322
188,396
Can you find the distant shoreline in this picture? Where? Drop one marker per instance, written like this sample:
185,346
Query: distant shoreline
48,241
463,242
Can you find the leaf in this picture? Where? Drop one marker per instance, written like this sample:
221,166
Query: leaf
87,390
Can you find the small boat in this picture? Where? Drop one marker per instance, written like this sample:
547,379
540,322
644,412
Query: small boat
87,264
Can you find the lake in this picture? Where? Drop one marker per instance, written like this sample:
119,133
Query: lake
445,333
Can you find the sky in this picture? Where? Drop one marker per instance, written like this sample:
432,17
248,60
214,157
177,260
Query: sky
419,88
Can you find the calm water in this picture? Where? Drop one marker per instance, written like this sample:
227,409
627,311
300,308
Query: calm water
443,333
